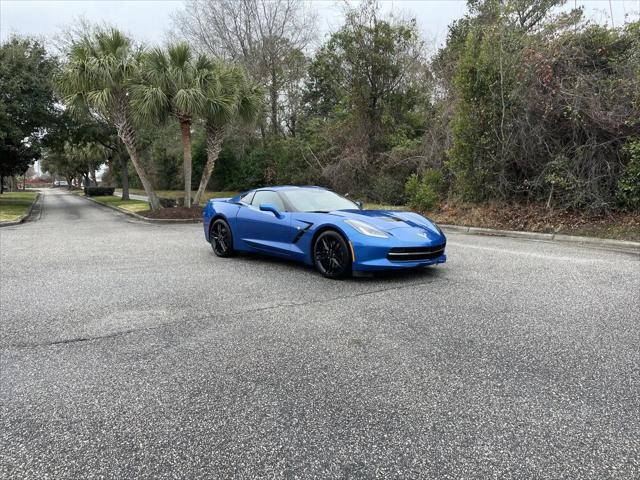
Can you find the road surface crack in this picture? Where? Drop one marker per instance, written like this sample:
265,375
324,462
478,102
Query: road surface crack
83,339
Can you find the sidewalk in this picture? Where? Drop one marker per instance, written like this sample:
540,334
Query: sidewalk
132,196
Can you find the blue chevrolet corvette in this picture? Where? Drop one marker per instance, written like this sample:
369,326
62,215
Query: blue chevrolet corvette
323,229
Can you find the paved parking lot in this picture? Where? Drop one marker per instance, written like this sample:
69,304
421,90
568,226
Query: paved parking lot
130,350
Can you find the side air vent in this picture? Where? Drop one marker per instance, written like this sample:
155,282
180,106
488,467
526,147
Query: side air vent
301,232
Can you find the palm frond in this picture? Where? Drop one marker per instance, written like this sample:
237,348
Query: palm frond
102,99
98,72
149,103
189,101
180,55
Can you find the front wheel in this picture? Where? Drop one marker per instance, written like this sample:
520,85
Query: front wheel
331,255
221,238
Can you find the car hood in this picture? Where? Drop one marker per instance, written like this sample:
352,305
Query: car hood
388,220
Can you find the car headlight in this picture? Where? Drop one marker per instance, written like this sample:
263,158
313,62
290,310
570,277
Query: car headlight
366,229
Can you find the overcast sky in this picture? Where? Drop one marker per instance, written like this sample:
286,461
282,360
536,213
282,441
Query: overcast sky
149,20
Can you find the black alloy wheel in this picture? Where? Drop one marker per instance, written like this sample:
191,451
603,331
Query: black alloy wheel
331,255
221,239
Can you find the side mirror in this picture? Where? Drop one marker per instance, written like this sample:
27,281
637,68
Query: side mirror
269,207
359,203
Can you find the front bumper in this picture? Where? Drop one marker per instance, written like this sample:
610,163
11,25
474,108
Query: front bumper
395,254
384,264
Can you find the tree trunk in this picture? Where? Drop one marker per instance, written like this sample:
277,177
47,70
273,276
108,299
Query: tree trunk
1,184
185,127
214,145
124,172
92,172
294,121
263,134
128,137
273,93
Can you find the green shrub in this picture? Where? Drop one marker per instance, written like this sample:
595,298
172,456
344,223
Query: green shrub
629,184
170,202
387,189
98,191
424,194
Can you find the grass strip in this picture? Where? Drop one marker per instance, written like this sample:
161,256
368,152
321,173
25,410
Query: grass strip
130,205
13,205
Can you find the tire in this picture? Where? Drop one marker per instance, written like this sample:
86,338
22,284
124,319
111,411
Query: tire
331,255
221,239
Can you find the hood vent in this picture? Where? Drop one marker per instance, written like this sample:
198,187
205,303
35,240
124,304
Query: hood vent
388,218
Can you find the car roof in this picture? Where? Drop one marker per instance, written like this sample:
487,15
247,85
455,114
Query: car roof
290,187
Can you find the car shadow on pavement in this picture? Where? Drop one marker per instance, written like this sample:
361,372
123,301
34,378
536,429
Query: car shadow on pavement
431,272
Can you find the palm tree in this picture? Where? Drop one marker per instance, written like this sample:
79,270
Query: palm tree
230,98
172,85
98,76
87,157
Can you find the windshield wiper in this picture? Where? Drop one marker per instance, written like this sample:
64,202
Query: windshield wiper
318,211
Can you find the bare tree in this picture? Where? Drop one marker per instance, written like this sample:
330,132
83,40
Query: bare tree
260,34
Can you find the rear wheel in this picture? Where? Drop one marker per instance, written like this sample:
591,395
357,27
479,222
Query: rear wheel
221,238
331,255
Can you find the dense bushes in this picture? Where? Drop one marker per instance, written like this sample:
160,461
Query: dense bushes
98,191
247,164
544,113
171,202
522,104
629,183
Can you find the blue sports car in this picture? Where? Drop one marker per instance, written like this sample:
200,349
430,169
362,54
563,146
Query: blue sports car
323,229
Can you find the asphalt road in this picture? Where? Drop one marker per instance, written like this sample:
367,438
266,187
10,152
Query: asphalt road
130,350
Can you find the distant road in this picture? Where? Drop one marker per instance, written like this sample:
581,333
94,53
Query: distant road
129,350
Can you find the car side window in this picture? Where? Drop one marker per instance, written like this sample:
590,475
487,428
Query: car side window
247,198
268,196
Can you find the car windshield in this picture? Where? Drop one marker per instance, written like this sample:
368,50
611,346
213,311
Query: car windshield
316,200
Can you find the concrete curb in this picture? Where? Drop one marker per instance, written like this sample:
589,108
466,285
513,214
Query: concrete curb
624,245
160,221
24,217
